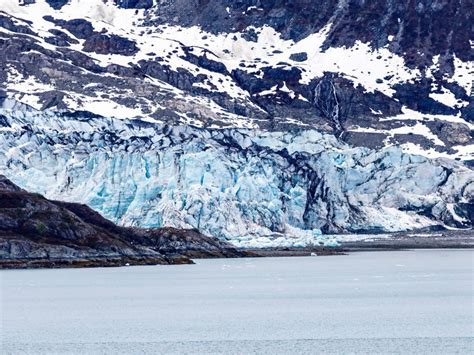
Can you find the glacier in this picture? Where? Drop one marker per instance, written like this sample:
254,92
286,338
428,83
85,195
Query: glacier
248,186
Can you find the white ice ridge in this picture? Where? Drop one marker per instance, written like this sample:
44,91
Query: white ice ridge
247,186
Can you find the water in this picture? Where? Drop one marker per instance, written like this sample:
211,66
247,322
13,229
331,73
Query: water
375,302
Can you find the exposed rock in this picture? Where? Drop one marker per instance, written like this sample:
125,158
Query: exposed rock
7,23
455,133
205,62
113,44
57,4
80,28
299,57
134,4
416,96
60,39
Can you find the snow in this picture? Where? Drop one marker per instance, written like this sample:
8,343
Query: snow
463,74
360,64
285,88
100,13
250,8
408,114
378,112
419,129
122,22
447,98
24,89
271,91
411,148
102,107
450,208
351,62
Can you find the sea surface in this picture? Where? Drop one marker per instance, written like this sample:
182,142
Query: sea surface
366,302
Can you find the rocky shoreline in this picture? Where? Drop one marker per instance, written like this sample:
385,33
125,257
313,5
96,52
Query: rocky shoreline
399,241
57,263
375,245
449,239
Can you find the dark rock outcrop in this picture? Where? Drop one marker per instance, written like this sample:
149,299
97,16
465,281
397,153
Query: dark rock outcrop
60,39
80,28
57,4
134,4
10,25
113,44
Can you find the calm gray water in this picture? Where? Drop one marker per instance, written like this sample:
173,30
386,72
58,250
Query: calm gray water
376,302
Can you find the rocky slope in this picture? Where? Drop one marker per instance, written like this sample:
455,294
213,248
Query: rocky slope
36,232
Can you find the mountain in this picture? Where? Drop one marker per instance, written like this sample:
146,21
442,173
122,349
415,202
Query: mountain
252,121
36,232
375,73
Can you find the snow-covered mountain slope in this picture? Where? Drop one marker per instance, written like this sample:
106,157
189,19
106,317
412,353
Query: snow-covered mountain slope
375,73
236,184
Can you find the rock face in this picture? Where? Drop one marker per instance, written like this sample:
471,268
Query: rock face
103,44
57,4
233,184
35,231
134,4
